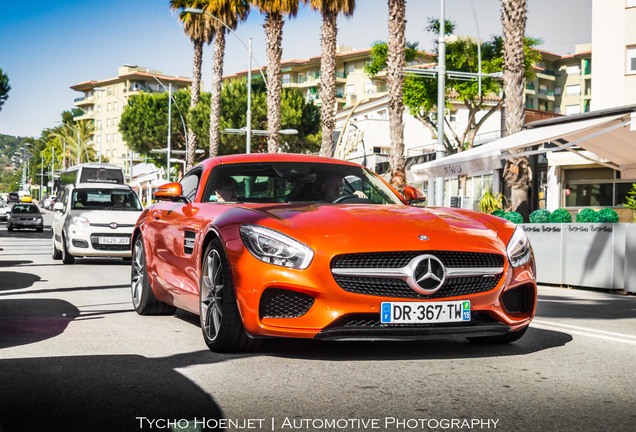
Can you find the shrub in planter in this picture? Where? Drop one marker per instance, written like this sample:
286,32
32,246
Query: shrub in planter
560,215
499,213
607,215
587,215
514,217
540,216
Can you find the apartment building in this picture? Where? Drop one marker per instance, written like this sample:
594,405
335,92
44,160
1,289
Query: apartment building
103,102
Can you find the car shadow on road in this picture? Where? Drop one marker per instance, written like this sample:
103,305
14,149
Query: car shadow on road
94,392
534,340
101,393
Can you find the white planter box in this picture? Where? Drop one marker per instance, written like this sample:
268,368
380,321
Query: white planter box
591,255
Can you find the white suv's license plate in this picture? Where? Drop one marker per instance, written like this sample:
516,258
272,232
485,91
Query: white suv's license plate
114,240
425,313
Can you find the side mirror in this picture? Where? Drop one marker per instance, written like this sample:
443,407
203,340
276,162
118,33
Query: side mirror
58,206
169,192
413,196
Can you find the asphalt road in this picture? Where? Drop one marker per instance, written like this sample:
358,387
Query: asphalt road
74,356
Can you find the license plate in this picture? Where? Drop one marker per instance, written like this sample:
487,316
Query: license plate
425,313
114,240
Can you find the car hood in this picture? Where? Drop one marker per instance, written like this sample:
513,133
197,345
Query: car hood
383,224
106,217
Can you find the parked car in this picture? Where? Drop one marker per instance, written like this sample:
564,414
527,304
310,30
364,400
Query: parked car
89,222
275,245
13,197
4,211
25,215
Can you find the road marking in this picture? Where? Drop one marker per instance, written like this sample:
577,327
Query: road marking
586,331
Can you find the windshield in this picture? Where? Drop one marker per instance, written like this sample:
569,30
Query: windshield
112,199
297,182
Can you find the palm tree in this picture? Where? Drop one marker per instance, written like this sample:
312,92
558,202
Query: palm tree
75,141
229,14
329,32
274,10
198,28
395,77
517,173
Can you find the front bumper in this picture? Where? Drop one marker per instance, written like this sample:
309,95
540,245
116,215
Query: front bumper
99,243
280,302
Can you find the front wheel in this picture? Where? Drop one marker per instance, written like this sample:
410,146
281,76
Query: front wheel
67,258
56,254
143,299
221,322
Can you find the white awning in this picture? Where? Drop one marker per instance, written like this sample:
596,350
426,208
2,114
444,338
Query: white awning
608,137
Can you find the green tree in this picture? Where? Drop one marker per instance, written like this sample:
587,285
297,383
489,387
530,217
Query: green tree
144,127
517,172
296,114
274,11
329,9
4,88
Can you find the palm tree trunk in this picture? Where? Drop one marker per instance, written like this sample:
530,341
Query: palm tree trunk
395,77
328,81
273,39
517,172
195,92
215,108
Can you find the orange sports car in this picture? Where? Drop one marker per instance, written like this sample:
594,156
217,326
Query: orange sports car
282,245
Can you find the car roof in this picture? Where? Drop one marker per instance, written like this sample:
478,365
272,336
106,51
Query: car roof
114,186
271,157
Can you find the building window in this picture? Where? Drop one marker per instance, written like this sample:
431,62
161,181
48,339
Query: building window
574,70
108,122
572,109
573,90
351,89
109,107
631,60
115,106
630,3
286,78
594,187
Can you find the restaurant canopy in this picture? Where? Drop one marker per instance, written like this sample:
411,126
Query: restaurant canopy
609,134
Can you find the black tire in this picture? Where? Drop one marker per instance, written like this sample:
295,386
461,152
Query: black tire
10,228
56,254
221,323
67,258
501,339
143,299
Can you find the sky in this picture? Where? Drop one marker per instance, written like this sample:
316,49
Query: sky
49,46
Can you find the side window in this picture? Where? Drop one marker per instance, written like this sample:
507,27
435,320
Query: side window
190,184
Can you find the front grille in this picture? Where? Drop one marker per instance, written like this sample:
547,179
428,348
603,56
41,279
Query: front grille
280,303
459,285
399,288
518,300
400,259
109,247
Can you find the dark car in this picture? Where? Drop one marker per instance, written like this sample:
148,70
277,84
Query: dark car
13,197
25,215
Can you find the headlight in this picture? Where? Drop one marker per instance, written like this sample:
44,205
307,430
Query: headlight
80,222
275,248
518,248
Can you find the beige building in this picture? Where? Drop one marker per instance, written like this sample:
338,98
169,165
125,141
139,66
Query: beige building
103,102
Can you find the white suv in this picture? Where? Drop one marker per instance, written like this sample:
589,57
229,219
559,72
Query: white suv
94,220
